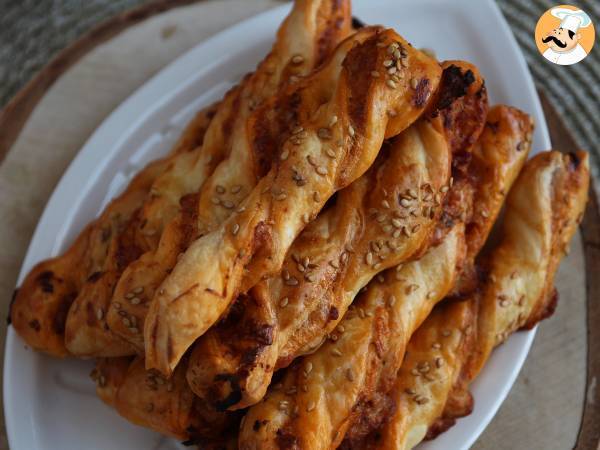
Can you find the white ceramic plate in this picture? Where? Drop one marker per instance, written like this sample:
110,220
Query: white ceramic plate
49,403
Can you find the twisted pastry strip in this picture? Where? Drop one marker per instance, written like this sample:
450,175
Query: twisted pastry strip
432,368
40,305
359,405
341,107
166,406
542,213
306,37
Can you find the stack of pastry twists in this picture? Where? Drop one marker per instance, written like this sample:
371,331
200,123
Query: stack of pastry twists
324,220
307,36
369,229
542,213
340,116
366,349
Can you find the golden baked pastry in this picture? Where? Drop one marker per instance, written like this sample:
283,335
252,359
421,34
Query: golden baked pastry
167,406
542,212
232,364
306,37
342,107
40,306
373,338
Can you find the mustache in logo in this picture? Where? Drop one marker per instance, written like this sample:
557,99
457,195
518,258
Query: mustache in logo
556,41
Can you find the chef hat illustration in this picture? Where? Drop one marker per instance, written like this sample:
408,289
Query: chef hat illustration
571,19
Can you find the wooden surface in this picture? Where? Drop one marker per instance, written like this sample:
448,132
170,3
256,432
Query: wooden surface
544,408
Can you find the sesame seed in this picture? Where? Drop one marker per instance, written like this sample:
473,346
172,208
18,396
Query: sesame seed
235,229
381,218
446,333
220,189
377,266
397,223
439,362
333,263
284,154
227,204
297,130
292,281
411,288
304,388
283,404
349,375
285,274
380,278
391,84
324,133
341,328
414,83
485,214
117,306
436,345
351,130
138,290
374,74
329,152
333,120
241,209
306,217
415,372
421,400
129,295
385,204
410,391
99,314
504,303
430,295
316,197
404,202
321,170
369,258
336,352
391,300
397,54
388,62
308,368
292,390
310,407
126,322
344,257
235,189
392,70
297,59
135,301
310,277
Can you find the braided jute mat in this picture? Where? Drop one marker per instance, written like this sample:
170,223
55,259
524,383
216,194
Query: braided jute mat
45,125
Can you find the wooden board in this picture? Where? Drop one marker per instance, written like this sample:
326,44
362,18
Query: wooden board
554,402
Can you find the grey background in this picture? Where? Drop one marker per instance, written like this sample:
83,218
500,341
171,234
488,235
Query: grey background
32,31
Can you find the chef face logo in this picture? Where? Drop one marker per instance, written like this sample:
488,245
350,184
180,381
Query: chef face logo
564,35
